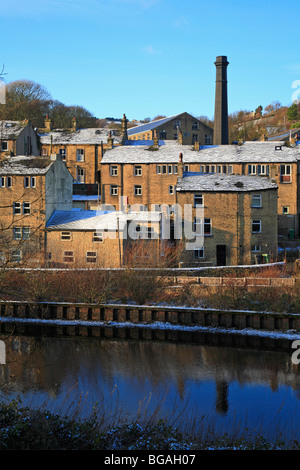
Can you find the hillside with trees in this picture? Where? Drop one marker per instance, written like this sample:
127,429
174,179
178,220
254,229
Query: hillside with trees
29,100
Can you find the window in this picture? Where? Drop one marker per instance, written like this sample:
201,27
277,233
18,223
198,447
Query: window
62,153
2,182
262,169
256,200
32,181
213,169
150,232
175,169
256,248
176,123
195,125
256,226
4,146
170,169
285,174
158,169
16,256
113,190
26,233
251,169
26,208
21,233
186,168
65,236
17,233
137,190
164,169
80,155
207,227
285,210
197,226
171,189
137,232
26,182
44,152
17,208
230,169
8,181
80,175
208,139
201,168
113,170
91,256
198,253
198,200
97,237
137,170
68,257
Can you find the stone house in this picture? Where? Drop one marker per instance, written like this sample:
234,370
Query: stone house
31,189
80,149
98,239
147,175
183,127
17,138
233,219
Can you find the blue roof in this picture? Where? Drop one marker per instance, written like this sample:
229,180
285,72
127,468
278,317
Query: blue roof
150,125
136,143
62,217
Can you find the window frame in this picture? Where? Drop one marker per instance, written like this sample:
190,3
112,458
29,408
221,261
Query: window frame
199,250
137,170
80,155
256,222
26,208
138,191
91,257
200,196
113,170
17,208
97,237
65,235
114,190
68,254
258,198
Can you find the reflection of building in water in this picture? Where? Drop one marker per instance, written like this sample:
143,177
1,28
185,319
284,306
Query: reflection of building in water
222,403
52,364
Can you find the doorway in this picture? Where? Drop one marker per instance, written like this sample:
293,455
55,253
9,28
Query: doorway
221,255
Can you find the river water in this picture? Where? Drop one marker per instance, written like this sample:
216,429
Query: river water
195,386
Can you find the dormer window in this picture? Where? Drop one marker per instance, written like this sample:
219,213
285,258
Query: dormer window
4,146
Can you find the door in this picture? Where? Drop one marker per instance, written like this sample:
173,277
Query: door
221,255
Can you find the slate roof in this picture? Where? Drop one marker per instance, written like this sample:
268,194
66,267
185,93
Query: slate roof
10,130
22,165
97,220
249,152
150,125
284,135
93,136
221,182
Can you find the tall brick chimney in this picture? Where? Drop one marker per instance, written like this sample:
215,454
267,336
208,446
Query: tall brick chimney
221,102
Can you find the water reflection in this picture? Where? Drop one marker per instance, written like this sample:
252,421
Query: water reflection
70,375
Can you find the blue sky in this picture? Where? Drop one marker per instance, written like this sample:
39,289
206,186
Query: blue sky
150,57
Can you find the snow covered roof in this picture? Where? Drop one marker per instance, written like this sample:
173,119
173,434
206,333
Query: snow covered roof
10,130
97,220
22,165
154,124
249,152
222,182
93,136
